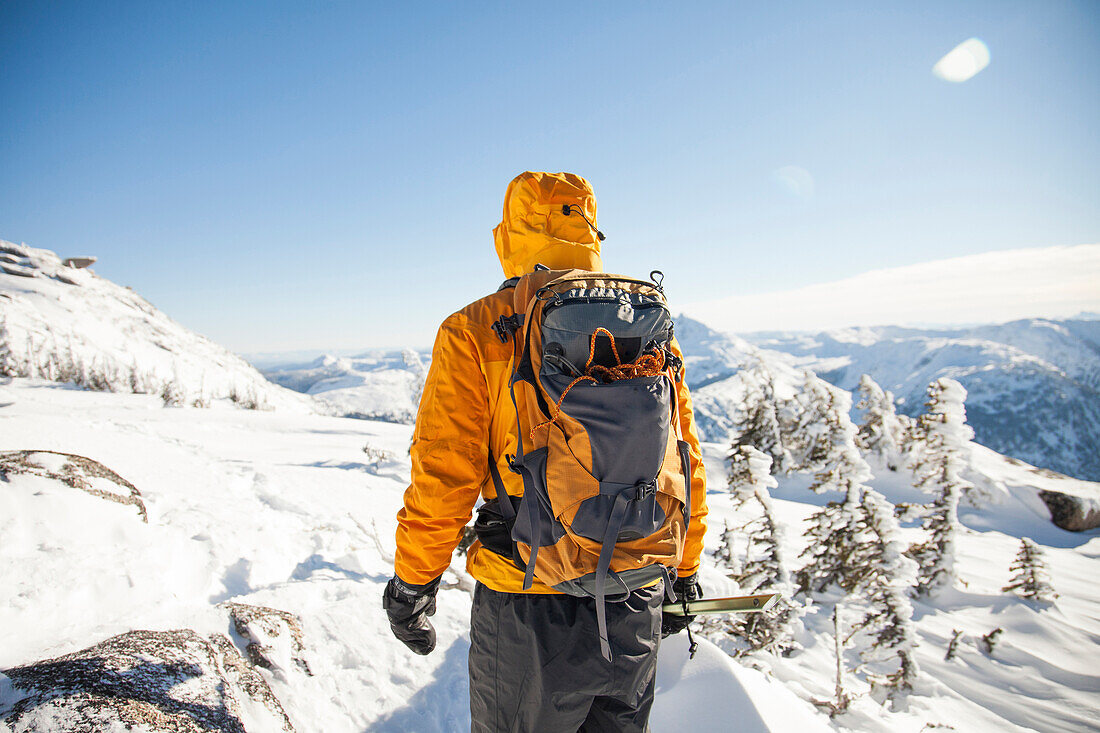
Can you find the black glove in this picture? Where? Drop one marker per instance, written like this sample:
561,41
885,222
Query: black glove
686,589
408,607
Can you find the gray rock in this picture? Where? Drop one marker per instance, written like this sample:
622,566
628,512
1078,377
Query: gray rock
152,680
1075,513
79,263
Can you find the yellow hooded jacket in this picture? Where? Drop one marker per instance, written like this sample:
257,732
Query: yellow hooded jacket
465,408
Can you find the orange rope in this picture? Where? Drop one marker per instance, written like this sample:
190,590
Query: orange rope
648,364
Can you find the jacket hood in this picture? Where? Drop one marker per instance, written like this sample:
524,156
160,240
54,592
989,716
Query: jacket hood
535,231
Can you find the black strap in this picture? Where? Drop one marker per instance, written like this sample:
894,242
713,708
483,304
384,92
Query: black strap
506,508
509,283
517,466
603,565
685,466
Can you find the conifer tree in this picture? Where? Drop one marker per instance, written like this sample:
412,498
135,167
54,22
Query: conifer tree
726,556
758,425
8,365
51,363
1031,578
172,394
886,578
832,553
765,568
814,421
939,467
66,359
833,548
882,433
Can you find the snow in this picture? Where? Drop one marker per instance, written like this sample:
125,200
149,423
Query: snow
295,510
1042,674
285,510
712,692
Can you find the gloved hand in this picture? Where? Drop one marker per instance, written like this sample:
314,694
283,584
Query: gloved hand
686,589
408,607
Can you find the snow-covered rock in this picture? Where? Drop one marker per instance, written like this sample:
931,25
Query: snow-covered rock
1073,511
153,680
63,322
272,638
77,472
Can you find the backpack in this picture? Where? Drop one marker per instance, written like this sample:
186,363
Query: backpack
606,474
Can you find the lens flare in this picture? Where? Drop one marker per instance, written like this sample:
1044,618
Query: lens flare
795,180
963,62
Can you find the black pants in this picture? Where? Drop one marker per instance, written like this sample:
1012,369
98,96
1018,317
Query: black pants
535,662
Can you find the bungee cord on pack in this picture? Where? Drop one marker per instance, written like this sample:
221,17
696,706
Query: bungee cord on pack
648,364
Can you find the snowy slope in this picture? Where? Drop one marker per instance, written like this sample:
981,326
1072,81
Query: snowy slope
287,511
1034,385
271,509
64,323
1041,676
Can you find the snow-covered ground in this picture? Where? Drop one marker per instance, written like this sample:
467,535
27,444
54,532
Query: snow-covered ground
288,511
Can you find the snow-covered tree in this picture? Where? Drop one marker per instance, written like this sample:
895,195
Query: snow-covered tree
938,468
758,423
944,439
9,367
833,549
812,420
172,394
885,581
726,555
416,365
882,434
824,439
765,567
1031,579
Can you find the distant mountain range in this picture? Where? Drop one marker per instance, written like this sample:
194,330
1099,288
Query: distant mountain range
1034,385
375,385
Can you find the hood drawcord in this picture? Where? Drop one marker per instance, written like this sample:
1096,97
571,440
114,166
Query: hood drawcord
568,209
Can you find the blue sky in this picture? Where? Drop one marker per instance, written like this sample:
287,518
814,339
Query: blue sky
327,175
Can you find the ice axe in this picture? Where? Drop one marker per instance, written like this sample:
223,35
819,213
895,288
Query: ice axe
733,604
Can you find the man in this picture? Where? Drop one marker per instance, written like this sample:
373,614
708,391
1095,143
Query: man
534,661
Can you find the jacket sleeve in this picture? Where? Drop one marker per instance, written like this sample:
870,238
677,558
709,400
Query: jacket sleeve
697,528
449,457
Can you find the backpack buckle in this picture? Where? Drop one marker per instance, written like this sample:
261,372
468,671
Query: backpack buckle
674,362
505,326
645,489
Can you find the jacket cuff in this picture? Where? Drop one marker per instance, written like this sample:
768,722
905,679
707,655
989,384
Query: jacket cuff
414,591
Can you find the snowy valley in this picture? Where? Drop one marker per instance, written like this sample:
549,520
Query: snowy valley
250,547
